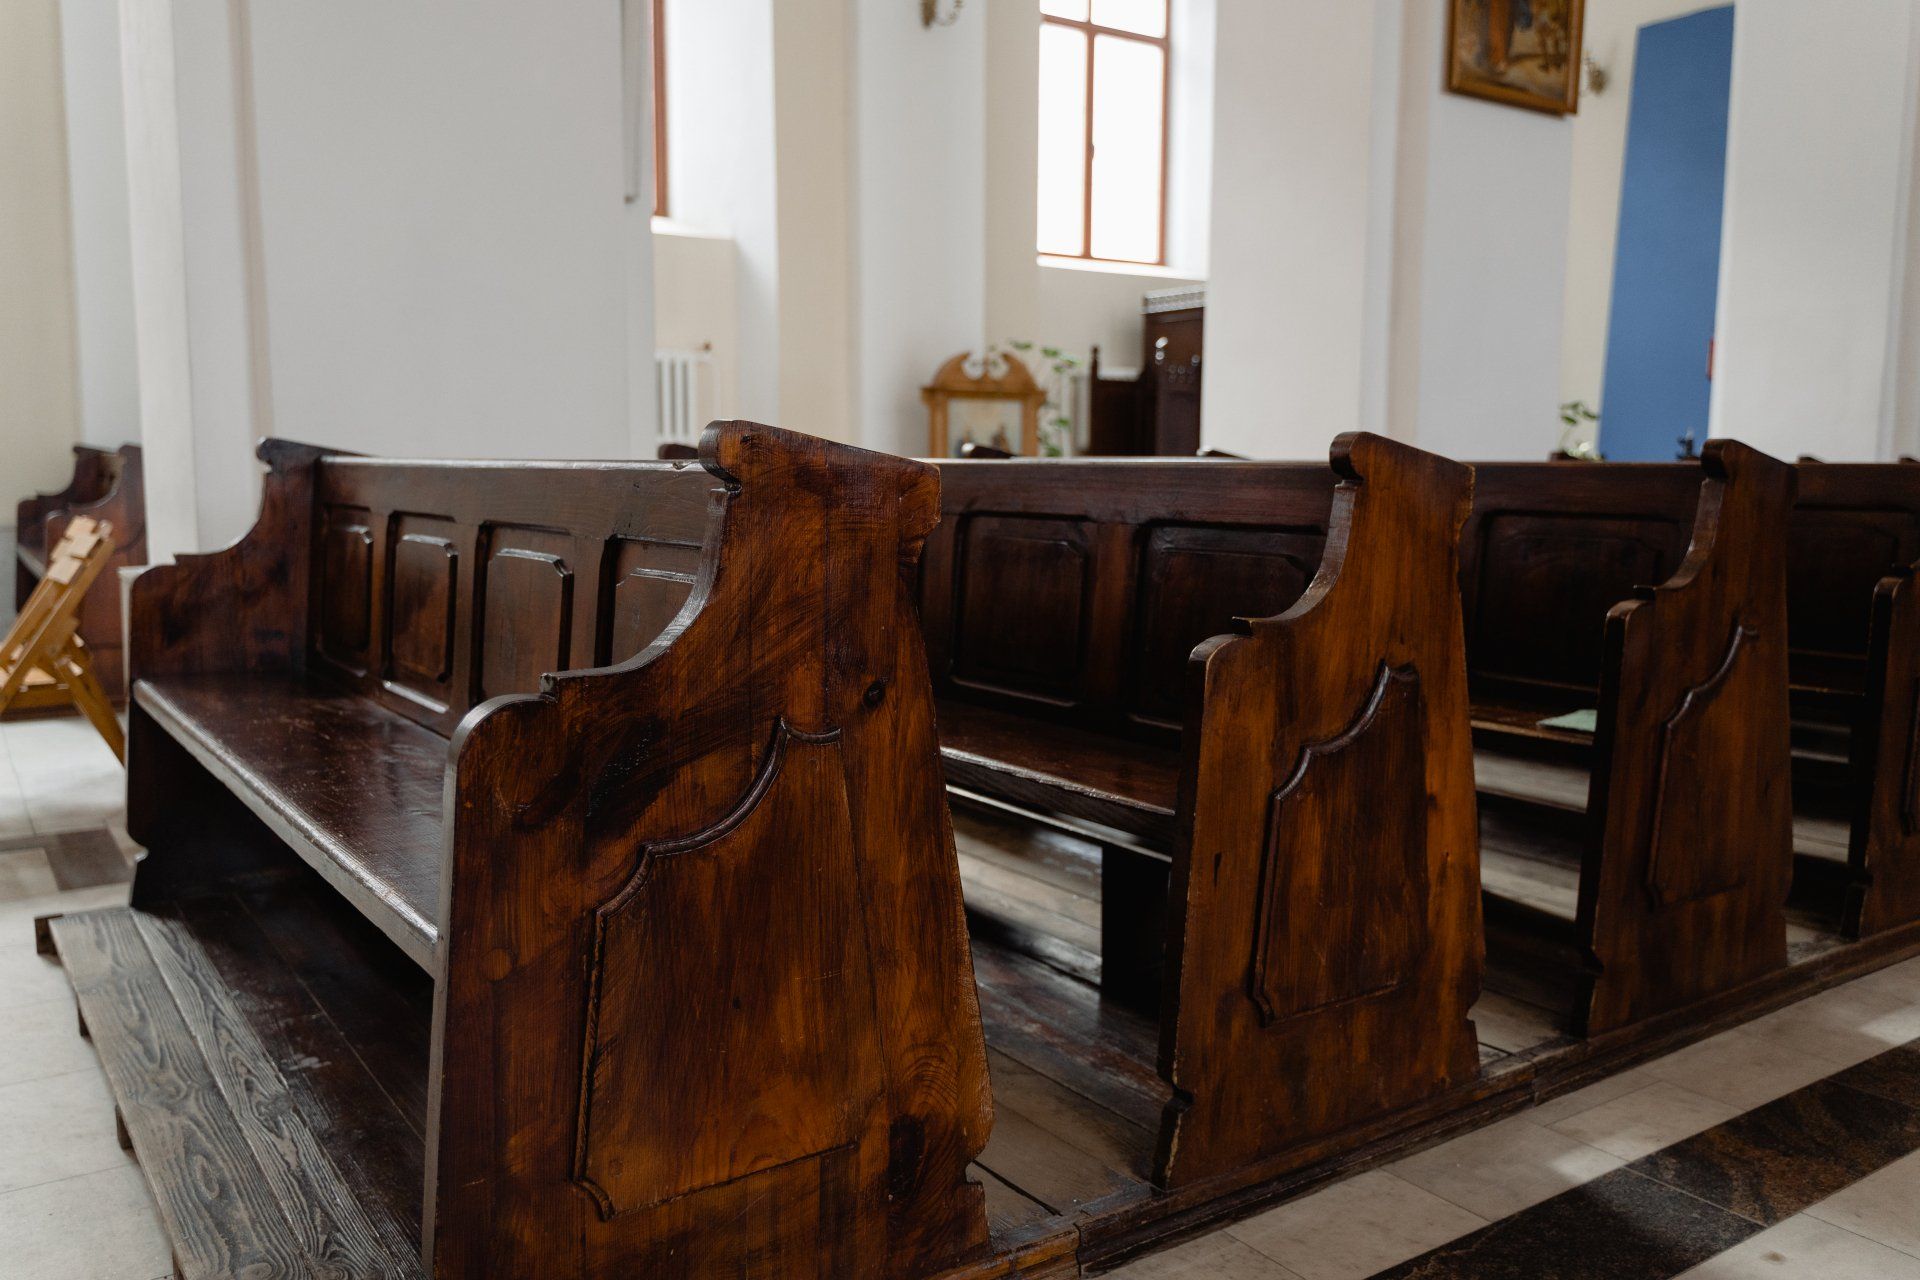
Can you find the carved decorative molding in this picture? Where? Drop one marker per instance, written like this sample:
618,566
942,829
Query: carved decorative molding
1340,923
1689,858
793,1041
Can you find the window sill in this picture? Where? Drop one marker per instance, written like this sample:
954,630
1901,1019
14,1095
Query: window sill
1101,267
686,231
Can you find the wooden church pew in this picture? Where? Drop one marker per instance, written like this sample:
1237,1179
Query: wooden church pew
656,968
1854,659
1285,812
107,486
1642,849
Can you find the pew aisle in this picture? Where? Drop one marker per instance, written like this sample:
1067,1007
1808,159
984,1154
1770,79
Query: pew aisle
73,1206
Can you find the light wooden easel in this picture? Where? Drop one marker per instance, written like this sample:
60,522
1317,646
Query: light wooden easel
43,660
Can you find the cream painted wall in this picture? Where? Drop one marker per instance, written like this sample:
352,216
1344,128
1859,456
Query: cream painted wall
1818,228
1599,154
695,306
109,378
39,401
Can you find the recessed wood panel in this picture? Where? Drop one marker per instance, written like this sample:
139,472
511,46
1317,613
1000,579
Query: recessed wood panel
1546,584
1834,559
1023,604
1343,887
525,606
647,582
1695,853
1194,582
346,586
423,590
786,1025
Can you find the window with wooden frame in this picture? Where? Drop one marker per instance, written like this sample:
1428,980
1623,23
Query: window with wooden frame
1103,130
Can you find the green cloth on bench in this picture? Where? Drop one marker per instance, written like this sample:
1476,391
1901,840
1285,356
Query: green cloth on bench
1585,720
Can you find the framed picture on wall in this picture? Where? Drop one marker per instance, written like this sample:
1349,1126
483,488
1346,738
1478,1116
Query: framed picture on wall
983,398
1525,53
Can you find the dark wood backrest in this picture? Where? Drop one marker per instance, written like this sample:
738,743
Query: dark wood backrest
1075,591
1853,524
93,474
1326,895
1549,548
703,923
432,586
438,585
705,1002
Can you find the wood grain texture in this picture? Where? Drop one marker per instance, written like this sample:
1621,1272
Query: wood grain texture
588,976
1685,890
242,1186
1328,786
1854,546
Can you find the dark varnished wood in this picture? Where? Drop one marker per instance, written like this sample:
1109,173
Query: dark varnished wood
793,683
810,1105
107,487
1686,825
1062,602
1329,784
1854,623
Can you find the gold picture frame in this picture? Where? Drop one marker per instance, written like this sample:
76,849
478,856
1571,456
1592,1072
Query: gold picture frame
983,398
1525,53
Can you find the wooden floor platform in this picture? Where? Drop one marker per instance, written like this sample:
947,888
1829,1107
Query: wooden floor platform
273,1040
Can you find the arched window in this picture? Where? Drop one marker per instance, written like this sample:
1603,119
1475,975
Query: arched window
1103,129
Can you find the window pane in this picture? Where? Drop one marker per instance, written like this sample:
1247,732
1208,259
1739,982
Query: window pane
1148,17
1129,83
1063,139
1074,9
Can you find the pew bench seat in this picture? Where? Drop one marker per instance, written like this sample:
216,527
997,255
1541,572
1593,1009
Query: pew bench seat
355,789
1061,769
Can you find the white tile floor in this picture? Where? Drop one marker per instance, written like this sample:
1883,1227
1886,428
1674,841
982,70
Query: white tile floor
73,1206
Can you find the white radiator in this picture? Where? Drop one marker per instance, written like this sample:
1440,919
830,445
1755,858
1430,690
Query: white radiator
684,384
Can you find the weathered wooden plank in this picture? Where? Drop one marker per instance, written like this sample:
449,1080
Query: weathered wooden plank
324,1214
219,1214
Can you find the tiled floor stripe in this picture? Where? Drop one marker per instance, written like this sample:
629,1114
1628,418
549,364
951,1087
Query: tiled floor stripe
1687,1203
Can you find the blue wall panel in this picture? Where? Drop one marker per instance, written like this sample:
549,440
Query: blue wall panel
1666,271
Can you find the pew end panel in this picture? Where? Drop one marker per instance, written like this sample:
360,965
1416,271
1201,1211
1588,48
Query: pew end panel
1687,892
92,477
1326,934
707,1001
122,506
1884,852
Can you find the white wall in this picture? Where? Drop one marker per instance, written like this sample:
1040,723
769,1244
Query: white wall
39,411
720,160
1599,158
1297,89
919,217
695,307
1485,289
109,384
1818,168
399,229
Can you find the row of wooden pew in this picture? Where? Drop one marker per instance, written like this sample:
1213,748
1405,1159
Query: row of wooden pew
552,866
106,486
